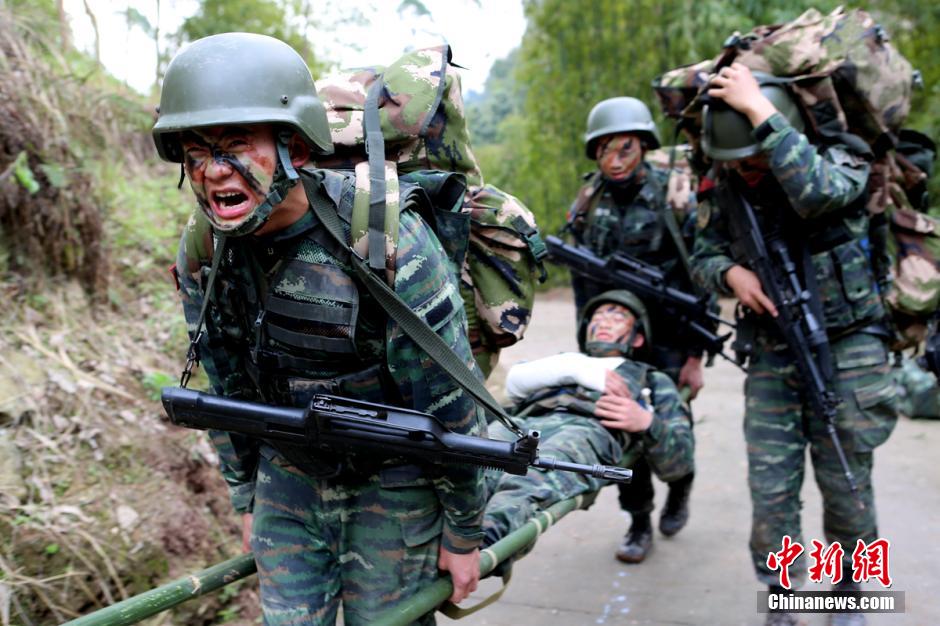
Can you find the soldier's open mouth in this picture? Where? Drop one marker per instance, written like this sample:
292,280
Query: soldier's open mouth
230,204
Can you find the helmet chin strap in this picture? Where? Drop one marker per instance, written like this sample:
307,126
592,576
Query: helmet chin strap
285,177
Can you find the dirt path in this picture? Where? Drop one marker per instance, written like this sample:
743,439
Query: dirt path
703,575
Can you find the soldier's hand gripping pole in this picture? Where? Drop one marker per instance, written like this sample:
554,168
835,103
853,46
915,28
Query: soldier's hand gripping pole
337,424
802,331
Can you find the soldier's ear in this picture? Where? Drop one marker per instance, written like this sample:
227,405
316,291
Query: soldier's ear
300,152
638,341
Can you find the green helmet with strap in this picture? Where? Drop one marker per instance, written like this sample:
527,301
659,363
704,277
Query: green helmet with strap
619,115
624,298
242,78
727,135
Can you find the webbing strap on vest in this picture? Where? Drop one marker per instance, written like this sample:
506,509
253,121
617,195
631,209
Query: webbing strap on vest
407,319
375,148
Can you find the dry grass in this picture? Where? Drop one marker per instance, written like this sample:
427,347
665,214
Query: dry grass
52,123
100,498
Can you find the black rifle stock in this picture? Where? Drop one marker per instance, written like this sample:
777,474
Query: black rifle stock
803,332
336,424
647,282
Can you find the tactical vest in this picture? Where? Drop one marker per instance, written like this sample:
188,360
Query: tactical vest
293,317
606,224
634,227
839,249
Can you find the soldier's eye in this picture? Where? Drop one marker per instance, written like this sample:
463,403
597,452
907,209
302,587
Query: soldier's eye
195,157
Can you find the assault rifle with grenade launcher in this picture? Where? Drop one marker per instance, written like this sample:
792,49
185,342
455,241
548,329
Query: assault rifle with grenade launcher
798,310
333,424
648,282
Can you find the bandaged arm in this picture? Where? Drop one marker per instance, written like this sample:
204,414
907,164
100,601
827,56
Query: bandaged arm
567,368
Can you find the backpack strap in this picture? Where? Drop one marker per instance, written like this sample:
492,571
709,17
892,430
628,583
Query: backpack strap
669,218
375,149
407,319
585,201
361,221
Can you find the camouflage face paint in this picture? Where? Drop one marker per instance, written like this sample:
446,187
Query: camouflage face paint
618,156
230,170
610,323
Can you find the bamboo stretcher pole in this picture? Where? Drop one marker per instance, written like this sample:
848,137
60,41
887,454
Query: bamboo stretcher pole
172,594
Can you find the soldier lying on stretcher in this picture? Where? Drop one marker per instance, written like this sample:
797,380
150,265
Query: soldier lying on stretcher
596,406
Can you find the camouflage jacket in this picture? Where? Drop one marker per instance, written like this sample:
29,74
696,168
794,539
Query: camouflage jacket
817,193
340,341
668,444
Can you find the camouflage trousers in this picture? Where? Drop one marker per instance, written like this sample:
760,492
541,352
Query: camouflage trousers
319,543
779,425
564,436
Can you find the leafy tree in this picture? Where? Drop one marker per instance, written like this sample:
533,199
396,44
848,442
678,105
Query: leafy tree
578,52
265,17
499,100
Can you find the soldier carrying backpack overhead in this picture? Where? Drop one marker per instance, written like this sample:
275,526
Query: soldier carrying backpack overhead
808,203
276,313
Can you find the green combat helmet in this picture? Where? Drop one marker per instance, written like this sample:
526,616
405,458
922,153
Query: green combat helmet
615,296
619,115
727,134
242,78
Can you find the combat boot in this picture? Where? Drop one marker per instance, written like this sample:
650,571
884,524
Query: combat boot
846,619
676,512
638,540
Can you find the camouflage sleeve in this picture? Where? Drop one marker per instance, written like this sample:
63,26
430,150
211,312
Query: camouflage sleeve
238,455
711,250
815,183
432,292
669,445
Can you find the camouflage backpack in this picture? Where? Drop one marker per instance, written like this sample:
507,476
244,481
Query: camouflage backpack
842,67
682,181
914,245
847,77
422,127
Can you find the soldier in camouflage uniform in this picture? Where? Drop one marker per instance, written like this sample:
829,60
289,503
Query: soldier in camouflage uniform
597,406
816,193
284,319
626,207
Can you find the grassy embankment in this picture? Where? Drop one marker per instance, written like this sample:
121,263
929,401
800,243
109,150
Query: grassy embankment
100,498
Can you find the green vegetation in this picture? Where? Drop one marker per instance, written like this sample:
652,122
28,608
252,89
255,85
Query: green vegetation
101,499
576,53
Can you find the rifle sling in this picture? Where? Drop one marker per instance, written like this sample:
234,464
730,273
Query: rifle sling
193,353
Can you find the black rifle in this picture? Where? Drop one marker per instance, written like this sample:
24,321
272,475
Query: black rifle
338,425
648,282
768,256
